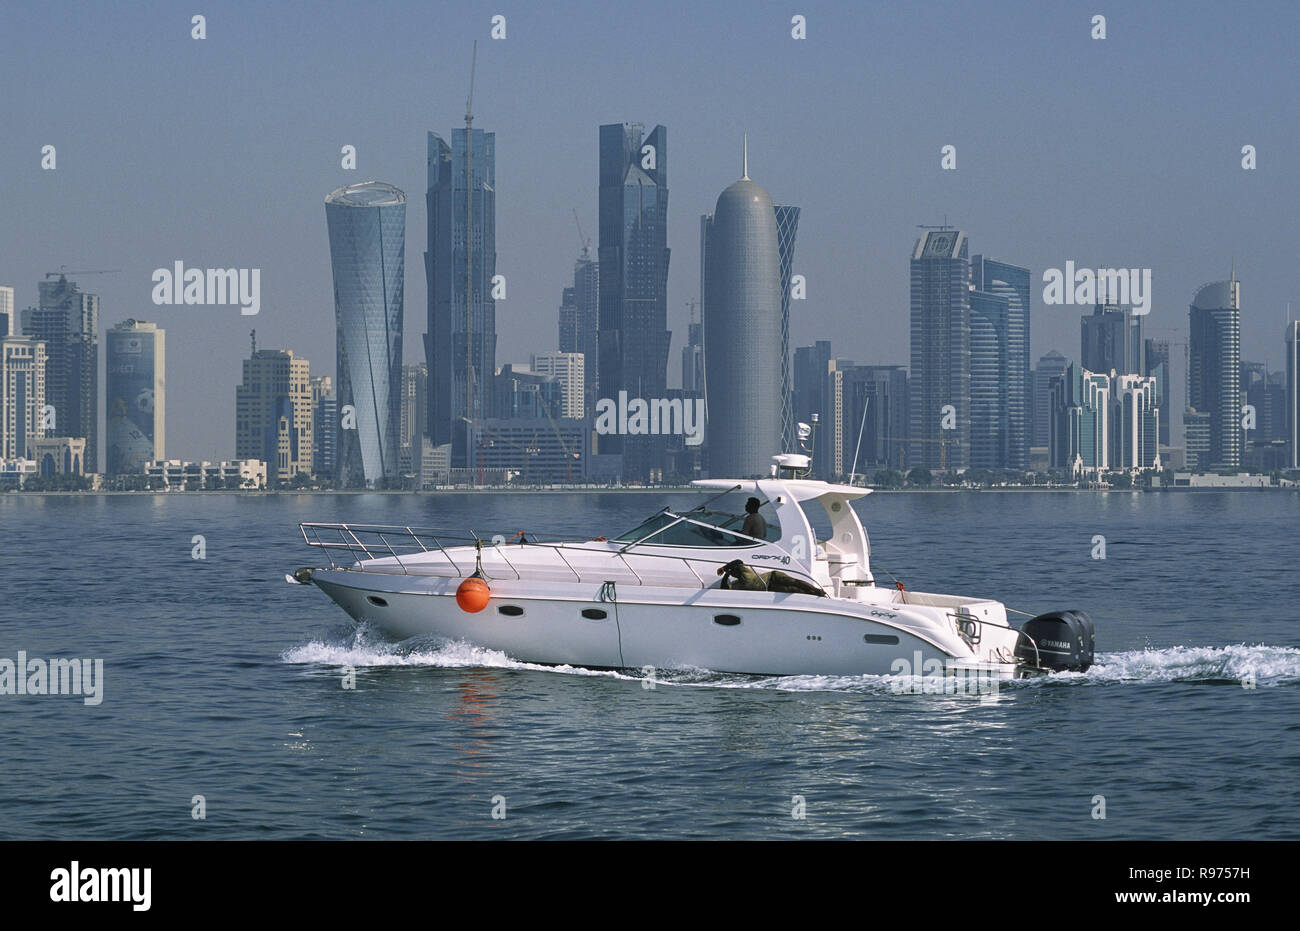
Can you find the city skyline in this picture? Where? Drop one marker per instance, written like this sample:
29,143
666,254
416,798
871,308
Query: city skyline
1063,196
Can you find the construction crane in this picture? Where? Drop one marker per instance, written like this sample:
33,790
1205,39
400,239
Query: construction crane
63,272
583,241
488,438
944,443
569,455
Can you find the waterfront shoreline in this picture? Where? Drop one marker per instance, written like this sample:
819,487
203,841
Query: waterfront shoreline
658,489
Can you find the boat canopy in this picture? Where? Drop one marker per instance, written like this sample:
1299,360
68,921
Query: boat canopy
847,546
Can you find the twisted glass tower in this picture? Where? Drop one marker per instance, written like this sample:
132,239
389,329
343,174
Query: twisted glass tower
787,226
367,230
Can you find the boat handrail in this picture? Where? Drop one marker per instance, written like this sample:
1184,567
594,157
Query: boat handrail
368,542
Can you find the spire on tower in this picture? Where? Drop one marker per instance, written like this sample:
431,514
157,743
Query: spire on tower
745,159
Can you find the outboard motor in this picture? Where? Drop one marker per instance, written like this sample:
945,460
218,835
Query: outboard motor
1064,639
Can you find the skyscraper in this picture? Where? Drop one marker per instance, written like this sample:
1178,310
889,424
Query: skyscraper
1214,369
67,321
1135,422
415,400
811,364
367,230
460,344
742,332
580,322
633,256
1291,344
8,323
135,396
1081,408
867,416
568,368
693,360
989,414
273,413
22,395
1111,339
1000,389
787,226
1254,393
1158,363
324,426
1049,368
941,351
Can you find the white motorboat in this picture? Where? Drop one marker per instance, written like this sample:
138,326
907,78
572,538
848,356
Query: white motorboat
688,589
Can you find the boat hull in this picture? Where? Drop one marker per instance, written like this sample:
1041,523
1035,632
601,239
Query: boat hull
761,633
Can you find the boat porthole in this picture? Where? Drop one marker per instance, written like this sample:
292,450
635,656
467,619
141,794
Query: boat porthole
726,620
594,614
377,601
510,610
881,638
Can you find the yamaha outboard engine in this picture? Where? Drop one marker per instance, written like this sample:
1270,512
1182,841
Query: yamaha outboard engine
1057,641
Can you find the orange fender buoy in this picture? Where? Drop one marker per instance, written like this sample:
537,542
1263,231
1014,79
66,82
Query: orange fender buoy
472,594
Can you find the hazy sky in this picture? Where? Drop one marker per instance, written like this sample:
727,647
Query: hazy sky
220,152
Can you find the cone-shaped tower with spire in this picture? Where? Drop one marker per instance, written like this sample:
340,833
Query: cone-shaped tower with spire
742,330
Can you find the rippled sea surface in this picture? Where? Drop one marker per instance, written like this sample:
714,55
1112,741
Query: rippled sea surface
223,681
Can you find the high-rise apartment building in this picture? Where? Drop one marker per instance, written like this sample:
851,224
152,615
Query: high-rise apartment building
580,323
940,383
324,426
415,400
67,321
811,365
22,395
1214,369
1158,364
273,413
1291,350
1104,421
8,321
569,369
999,346
1050,367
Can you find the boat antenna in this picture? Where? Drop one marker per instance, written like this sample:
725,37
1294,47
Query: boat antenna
861,427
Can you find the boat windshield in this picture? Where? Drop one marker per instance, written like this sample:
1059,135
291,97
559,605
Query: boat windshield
700,527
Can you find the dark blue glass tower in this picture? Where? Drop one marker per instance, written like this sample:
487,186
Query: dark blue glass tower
1000,386
940,337
460,344
1214,369
633,257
